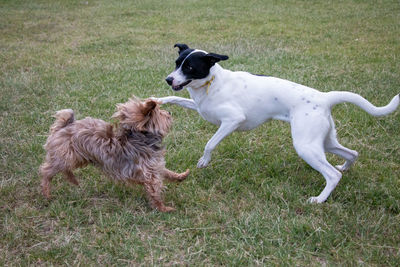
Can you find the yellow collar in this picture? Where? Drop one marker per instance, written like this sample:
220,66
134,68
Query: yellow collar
208,84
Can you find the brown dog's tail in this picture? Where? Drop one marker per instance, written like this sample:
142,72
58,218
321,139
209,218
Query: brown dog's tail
63,118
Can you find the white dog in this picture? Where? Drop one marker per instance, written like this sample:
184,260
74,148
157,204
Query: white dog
242,101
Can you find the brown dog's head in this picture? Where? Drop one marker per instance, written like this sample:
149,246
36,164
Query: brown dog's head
143,116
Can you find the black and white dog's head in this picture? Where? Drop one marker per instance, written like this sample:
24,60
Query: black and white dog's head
191,65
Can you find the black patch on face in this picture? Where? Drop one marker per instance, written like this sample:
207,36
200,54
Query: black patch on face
198,64
182,57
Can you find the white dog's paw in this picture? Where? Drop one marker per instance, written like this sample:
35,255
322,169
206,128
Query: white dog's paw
159,100
339,167
314,200
342,168
203,162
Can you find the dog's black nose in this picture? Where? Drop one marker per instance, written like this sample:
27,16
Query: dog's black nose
169,80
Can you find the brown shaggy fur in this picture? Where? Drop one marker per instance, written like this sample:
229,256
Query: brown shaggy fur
132,152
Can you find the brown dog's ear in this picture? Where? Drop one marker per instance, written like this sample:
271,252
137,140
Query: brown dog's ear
148,106
120,114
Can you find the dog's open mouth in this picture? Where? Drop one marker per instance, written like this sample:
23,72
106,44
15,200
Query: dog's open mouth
180,87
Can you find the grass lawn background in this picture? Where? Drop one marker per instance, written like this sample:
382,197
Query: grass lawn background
249,206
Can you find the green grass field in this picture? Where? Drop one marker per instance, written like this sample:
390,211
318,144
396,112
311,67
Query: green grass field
249,206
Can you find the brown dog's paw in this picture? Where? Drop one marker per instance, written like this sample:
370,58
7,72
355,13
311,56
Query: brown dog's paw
184,175
166,209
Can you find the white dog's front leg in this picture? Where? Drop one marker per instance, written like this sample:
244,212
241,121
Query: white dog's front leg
183,102
224,130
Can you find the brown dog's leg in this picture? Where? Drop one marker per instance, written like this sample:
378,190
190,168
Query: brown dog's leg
153,189
47,172
70,177
177,177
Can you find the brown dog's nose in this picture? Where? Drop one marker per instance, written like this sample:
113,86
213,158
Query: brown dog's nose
169,80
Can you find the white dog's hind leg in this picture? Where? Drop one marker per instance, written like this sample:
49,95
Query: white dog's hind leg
308,139
349,155
333,146
224,130
316,159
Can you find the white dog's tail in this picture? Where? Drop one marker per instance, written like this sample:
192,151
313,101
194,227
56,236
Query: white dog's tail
337,97
63,118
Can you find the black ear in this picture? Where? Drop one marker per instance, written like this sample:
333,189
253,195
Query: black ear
182,47
214,58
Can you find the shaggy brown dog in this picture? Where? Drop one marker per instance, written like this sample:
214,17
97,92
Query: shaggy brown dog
132,152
